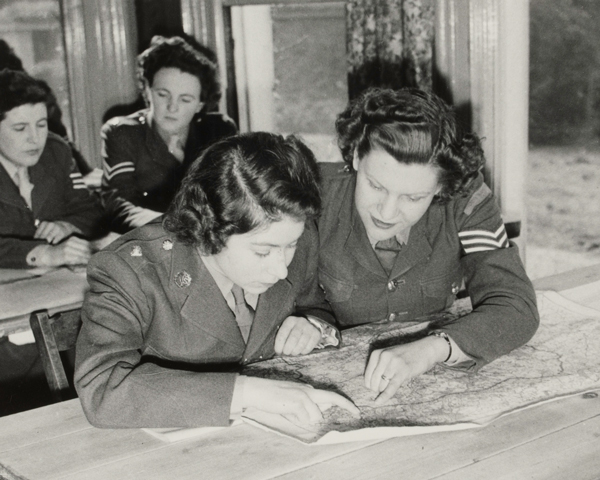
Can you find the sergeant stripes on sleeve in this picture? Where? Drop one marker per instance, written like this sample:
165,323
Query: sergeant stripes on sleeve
111,172
77,180
481,240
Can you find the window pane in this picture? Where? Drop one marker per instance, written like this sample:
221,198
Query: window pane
563,193
33,29
308,83
310,72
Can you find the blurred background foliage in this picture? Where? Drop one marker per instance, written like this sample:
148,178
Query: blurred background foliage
564,72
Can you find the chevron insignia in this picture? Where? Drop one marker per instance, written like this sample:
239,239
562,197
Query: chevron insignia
481,240
77,180
111,172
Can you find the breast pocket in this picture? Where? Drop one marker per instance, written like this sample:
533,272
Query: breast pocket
336,291
439,292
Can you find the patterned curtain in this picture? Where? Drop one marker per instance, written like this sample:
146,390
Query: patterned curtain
389,44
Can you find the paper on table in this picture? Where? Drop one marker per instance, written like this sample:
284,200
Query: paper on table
176,434
586,294
309,434
561,360
53,290
10,275
22,338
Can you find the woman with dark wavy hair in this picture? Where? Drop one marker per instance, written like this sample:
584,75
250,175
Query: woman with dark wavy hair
47,215
405,223
228,278
146,154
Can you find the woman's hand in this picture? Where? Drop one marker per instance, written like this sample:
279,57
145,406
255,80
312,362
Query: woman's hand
389,368
73,251
55,232
296,336
298,402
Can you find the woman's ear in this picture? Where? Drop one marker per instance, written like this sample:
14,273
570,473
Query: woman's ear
355,161
146,93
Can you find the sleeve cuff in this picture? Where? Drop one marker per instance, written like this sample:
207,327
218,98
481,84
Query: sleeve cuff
330,336
33,257
237,407
457,356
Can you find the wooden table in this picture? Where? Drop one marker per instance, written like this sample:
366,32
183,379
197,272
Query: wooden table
556,440
25,291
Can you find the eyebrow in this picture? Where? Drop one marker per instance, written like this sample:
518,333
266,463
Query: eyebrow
164,89
27,123
266,244
416,194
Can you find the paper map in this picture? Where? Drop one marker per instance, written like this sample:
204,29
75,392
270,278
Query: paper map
562,359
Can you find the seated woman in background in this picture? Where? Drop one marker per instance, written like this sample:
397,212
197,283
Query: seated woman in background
404,223
10,60
45,208
228,278
146,154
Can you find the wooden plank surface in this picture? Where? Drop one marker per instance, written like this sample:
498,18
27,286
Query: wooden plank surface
92,453
555,440
569,280
524,439
505,447
242,452
41,424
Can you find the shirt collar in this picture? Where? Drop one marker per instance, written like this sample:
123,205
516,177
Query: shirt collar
225,284
10,168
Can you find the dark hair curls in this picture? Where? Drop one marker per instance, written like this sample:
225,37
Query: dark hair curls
175,52
413,126
242,183
18,88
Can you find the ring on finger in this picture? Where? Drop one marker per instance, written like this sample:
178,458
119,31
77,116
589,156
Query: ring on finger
383,377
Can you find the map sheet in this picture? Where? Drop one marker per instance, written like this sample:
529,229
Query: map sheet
560,360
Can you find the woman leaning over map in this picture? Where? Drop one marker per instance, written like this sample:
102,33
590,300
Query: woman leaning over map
405,223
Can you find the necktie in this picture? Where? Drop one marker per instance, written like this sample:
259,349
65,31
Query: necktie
387,251
244,314
25,186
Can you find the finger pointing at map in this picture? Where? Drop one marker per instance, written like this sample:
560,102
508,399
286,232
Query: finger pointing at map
389,368
297,401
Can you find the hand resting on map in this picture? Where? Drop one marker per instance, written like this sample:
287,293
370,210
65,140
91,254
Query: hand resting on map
298,402
296,336
389,368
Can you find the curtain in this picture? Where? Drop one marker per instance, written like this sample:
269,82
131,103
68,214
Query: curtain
389,44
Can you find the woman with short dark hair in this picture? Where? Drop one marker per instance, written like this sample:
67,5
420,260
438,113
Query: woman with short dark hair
235,190
146,154
228,278
45,207
404,223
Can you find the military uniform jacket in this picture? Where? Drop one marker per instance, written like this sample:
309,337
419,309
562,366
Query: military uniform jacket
159,347
464,239
59,193
138,168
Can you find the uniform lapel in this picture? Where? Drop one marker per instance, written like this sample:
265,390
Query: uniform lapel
268,315
416,250
43,185
200,299
9,192
358,245
156,145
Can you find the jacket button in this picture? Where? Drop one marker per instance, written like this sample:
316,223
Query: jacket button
391,317
260,357
455,288
392,286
